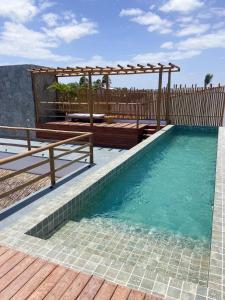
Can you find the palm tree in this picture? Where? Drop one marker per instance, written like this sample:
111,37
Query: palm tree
106,78
208,79
83,81
97,84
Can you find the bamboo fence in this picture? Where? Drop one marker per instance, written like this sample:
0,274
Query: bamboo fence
180,105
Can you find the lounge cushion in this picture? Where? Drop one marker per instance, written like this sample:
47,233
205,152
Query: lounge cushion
85,116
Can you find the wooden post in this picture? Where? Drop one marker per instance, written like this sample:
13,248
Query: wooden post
137,112
90,99
159,99
107,93
28,139
52,165
168,98
36,100
91,150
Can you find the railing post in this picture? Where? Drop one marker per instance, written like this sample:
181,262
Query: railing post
52,165
91,149
28,139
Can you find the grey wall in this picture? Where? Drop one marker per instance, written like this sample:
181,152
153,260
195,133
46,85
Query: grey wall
17,107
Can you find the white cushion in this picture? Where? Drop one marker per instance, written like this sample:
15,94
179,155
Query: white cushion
85,116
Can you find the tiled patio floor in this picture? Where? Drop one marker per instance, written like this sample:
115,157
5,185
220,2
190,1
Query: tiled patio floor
23,276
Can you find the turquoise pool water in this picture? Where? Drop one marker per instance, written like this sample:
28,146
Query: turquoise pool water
169,189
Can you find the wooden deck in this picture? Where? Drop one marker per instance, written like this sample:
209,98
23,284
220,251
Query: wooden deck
118,135
23,276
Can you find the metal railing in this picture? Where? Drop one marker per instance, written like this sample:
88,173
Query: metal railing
84,140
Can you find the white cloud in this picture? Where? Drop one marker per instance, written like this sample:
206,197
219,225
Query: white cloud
131,12
154,22
156,57
183,6
17,40
44,4
167,45
218,25
218,11
73,30
50,19
193,29
18,10
185,19
207,41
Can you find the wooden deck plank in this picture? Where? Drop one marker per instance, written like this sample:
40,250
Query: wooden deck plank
5,256
76,287
120,135
91,289
3,250
34,282
121,293
136,295
11,263
62,285
106,291
48,284
22,279
15,272
26,277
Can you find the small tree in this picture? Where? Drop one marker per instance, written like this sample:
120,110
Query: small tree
83,81
97,84
208,79
106,78
64,90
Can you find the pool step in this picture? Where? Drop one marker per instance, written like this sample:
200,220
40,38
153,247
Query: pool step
138,277
149,253
150,130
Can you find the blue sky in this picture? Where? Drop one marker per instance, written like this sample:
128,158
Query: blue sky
190,33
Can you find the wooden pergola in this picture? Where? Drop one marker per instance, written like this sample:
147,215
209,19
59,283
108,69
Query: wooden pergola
108,71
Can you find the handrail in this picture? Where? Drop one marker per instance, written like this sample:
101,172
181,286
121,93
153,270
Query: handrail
43,148
51,158
41,129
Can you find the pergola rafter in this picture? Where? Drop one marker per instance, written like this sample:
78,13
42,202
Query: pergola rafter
119,70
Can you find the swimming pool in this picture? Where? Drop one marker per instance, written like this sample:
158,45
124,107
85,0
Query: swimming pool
145,219
169,189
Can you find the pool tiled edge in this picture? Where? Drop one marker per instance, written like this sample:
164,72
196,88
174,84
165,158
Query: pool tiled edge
46,217
217,264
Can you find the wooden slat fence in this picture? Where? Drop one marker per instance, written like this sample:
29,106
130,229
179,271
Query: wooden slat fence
184,105
203,107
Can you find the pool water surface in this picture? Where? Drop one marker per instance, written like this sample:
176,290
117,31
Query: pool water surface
169,189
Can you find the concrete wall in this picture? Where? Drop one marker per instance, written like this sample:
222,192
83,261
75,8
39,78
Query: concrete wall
17,107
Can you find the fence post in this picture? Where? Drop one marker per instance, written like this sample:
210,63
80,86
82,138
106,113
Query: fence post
28,139
91,149
90,100
159,98
107,94
52,165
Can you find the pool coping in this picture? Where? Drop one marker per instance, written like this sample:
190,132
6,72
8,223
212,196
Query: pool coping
15,236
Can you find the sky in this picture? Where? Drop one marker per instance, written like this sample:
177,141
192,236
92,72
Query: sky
189,33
